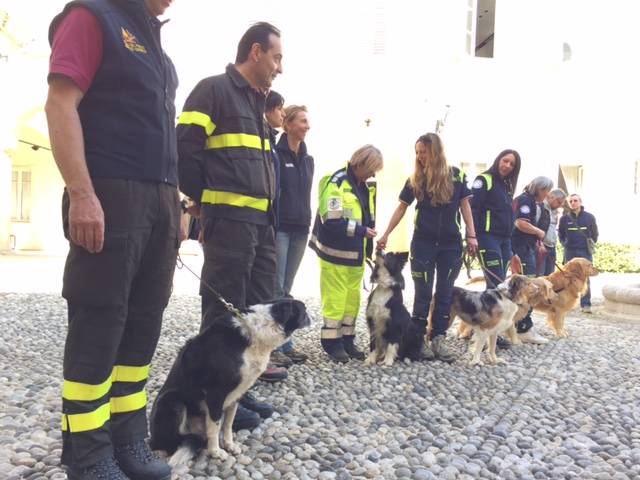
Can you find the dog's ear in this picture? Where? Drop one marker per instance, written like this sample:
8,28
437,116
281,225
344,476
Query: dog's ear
291,314
403,256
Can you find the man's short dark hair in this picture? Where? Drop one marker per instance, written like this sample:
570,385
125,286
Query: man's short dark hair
273,101
257,33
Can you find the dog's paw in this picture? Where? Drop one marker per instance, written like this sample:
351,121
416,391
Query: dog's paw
370,360
218,453
388,362
499,361
473,362
515,340
564,333
232,447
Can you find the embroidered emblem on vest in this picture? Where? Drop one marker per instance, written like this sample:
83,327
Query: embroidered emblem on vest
131,42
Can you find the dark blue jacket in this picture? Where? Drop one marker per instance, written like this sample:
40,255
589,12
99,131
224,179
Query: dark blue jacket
273,133
524,207
128,113
491,206
296,178
439,224
573,230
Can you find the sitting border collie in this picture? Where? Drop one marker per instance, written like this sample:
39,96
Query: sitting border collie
390,328
211,372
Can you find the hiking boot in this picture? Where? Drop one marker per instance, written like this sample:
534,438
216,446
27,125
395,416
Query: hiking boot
273,374
503,344
296,356
426,353
279,359
139,463
350,347
106,469
440,350
245,419
335,349
586,309
250,402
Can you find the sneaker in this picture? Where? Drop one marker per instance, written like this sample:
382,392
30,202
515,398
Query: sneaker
138,461
531,336
273,374
106,469
503,344
250,402
279,359
245,419
587,309
296,356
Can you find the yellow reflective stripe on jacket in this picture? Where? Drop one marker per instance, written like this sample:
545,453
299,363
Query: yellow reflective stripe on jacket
129,403
82,422
197,118
85,391
231,140
489,179
215,197
487,224
372,203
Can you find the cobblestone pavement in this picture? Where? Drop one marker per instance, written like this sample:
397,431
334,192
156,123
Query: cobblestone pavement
568,409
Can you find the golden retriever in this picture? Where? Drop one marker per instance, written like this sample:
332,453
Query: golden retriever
569,284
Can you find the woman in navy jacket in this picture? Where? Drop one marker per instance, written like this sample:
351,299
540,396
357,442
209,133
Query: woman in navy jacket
442,195
493,215
294,204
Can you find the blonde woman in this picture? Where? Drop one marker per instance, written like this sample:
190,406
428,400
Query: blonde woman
442,195
342,237
296,168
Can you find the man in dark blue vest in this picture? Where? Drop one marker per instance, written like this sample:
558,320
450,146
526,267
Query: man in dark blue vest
111,120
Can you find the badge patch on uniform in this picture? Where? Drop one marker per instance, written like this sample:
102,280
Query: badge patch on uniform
131,42
334,204
525,209
477,183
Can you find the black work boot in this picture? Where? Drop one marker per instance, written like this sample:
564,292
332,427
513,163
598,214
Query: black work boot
502,343
139,463
106,469
440,350
335,349
250,402
413,341
350,347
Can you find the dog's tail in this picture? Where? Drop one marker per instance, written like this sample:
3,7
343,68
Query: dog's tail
190,445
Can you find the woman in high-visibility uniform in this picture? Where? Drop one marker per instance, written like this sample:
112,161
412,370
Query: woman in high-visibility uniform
342,237
436,247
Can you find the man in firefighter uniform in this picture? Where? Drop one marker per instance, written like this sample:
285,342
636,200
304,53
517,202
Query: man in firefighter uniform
225,164
342,238
116,151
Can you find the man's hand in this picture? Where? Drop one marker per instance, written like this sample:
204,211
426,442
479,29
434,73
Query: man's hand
381,244
472,245
371,233
86,222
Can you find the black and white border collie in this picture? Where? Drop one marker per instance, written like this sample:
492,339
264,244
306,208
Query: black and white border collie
211,372
388,320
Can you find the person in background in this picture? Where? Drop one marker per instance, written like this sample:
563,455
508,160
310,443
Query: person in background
292,232
342,238
528,234
442,197
578,233
551,205
225,165
119,270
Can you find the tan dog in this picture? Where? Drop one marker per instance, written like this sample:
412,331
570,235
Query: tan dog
569,284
